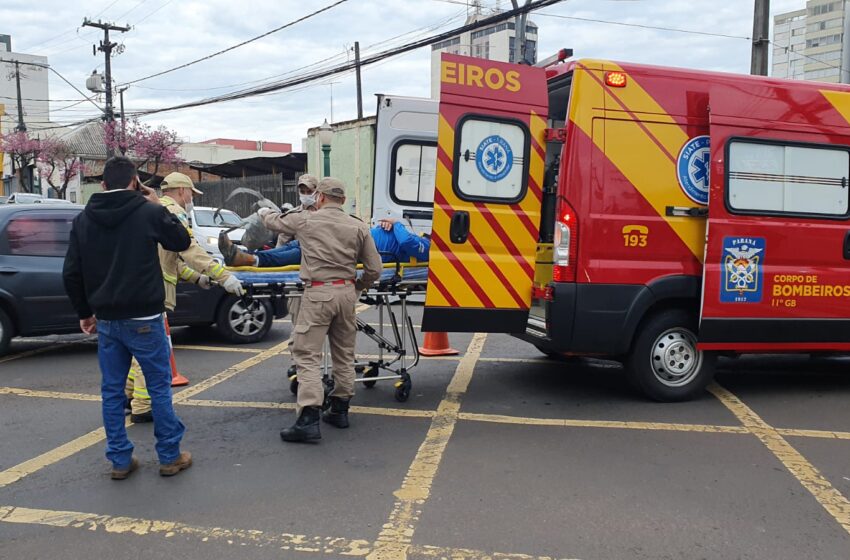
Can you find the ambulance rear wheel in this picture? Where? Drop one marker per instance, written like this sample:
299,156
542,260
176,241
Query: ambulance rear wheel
664,363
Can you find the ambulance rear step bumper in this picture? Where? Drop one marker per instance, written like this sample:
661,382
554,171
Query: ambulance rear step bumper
536,327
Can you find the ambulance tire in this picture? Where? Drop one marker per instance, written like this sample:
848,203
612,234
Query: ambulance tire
5,332
664,363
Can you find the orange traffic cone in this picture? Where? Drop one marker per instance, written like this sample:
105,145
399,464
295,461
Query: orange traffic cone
177,378
437,344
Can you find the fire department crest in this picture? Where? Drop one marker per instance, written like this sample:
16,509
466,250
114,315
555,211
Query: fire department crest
692,169
494,158
743,259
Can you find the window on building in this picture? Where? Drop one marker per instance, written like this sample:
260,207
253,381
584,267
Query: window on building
490,156
40,235
414,172
531,51
72,196
824,8
780,178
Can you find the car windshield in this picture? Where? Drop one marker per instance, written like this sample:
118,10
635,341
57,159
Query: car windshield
225,218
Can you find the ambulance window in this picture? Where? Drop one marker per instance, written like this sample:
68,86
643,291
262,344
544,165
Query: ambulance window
414,165
490,158
772,177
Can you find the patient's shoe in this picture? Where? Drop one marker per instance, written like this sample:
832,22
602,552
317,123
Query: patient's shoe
232,255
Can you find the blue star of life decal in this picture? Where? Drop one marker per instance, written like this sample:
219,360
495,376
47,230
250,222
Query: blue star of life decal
494,158
692,169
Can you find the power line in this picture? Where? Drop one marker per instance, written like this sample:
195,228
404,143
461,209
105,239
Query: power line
660,28
365,61
243,43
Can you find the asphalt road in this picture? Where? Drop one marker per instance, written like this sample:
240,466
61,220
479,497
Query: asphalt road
499,453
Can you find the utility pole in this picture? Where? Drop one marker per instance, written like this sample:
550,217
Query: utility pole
761,41
519,33
123,119
106,47
357,71
22,127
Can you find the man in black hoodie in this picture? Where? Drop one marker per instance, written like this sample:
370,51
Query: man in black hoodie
114,280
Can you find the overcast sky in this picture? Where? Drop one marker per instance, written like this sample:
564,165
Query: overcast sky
167,33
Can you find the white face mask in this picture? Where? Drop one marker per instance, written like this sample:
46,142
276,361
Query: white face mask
307,199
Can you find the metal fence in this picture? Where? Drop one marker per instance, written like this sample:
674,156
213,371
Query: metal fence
277,188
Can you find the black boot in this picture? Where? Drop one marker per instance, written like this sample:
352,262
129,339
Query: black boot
292,371
337,413
306,427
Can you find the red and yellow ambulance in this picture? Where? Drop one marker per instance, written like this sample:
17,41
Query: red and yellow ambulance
661,215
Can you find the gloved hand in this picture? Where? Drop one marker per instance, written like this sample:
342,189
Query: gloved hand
204,282
263,211
233,286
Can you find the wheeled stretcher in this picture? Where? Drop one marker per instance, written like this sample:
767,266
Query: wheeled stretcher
398,349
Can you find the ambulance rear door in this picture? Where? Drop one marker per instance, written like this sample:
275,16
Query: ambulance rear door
490,155
778,240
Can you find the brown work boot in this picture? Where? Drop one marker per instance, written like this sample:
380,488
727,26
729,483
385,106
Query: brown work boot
121,474
232,255
183,462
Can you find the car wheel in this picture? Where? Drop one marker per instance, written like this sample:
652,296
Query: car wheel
244,322
664,363
5,332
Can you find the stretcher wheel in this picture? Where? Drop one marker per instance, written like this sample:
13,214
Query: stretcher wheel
293,385
371,372
402,388
359,369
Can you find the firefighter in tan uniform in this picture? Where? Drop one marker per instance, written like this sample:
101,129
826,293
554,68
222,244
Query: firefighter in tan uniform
192,265
332,243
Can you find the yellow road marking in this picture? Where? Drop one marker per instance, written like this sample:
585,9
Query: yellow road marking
395,538
141,527
379,411
138,527
31,352
19,471
217,348
520,360
813,433
831,499
48,394
567,423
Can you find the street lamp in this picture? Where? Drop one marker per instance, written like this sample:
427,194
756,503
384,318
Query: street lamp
325,135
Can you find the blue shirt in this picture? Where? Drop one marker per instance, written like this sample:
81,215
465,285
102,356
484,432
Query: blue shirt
403,244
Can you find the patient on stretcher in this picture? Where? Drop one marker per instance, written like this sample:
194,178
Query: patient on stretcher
395,243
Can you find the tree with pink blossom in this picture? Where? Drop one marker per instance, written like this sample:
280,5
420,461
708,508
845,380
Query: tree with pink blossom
24,152
143,143
58,165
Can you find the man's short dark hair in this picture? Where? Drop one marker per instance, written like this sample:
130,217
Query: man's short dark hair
118,173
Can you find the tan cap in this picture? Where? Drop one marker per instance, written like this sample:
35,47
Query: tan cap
332,187
308,180
178,181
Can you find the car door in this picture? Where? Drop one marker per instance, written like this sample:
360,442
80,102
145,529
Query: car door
490,150
33,244
778,242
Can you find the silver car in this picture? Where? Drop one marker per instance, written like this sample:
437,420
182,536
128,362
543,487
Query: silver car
206,225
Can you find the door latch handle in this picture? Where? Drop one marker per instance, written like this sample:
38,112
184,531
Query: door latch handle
847,246
459,229
8,270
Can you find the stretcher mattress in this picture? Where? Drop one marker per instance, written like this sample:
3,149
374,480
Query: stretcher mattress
416,272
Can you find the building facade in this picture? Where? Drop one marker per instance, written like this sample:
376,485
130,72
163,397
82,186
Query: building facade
809,44
496,42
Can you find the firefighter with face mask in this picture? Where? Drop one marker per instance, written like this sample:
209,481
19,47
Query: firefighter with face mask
192,265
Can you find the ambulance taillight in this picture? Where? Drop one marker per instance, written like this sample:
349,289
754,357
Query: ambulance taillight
565,245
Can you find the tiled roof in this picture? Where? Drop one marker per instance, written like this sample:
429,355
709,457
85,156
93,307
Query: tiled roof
87,141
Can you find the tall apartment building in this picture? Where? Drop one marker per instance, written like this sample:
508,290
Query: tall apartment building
34,86
496,42
809,44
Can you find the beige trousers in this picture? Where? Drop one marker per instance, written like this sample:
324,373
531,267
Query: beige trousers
137,390
325,311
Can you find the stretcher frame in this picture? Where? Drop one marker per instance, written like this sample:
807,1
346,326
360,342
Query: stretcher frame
394,356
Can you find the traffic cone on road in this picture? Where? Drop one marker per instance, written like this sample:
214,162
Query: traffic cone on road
437,344
177,378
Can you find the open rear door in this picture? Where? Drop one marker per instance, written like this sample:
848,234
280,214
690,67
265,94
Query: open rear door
778,245
490,153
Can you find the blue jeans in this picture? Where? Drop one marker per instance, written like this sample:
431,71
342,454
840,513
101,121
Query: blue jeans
117,342
285,255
